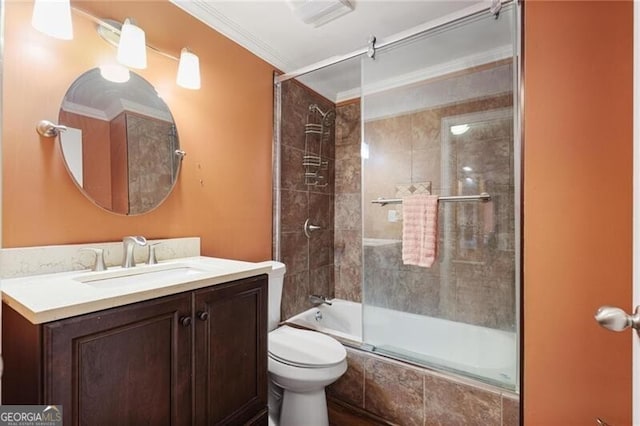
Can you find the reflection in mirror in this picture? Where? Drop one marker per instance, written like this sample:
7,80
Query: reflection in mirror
120,146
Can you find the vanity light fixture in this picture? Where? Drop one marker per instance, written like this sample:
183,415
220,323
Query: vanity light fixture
132,48
112,32
188,70
53,18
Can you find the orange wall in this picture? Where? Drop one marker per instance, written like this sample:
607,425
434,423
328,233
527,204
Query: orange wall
577,210
224,191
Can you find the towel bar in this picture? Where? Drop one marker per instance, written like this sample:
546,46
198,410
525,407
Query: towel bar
484,197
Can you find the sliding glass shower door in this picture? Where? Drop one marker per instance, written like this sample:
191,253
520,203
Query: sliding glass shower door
439,117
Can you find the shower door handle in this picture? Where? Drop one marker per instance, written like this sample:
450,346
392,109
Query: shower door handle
309,228
616,319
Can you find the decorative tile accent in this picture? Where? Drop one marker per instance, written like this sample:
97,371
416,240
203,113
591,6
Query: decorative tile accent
404,190
25,261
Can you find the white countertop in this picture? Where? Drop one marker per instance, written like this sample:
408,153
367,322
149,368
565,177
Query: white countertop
50,297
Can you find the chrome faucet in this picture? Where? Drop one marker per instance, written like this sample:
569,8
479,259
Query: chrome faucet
129,244
317,300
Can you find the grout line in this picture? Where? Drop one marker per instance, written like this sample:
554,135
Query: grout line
364,380
424,400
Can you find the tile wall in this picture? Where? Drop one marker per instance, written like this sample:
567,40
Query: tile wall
407,395
476,241
310,261
348,216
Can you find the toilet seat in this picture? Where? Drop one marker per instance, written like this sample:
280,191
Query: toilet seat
304,348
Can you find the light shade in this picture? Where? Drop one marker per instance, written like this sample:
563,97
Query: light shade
53,18
132,49
188,70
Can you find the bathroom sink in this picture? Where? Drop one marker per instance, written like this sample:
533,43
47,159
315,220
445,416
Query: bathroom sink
142,275
51,297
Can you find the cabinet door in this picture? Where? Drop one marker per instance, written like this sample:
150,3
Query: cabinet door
231,352
124,366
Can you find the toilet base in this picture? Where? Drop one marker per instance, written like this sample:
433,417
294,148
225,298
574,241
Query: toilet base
308,408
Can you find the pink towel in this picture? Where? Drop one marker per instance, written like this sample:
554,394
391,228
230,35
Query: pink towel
419,229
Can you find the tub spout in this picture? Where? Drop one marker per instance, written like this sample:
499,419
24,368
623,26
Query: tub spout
317,300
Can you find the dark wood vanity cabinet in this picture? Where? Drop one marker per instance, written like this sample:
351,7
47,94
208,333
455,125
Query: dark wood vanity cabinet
231,354
198,357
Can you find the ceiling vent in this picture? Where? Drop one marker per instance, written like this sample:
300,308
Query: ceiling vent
319,12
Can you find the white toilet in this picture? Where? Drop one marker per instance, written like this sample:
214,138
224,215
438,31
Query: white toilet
301,363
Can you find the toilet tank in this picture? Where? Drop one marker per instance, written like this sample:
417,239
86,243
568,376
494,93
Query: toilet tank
276,280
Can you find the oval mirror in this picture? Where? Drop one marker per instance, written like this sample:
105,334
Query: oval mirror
121,145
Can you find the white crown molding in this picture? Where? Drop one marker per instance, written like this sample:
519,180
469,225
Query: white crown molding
145,110
80,109
113,110
207,13
457,65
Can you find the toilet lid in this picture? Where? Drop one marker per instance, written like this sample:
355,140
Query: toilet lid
305,348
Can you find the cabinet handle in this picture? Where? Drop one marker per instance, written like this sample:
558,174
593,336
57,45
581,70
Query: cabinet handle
185,321
203,315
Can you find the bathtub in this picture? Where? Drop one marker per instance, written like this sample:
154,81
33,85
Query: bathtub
479,352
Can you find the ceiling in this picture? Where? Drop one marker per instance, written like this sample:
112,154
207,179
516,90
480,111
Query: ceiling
270,30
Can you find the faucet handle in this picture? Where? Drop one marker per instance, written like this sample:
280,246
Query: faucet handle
98,264
152,260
